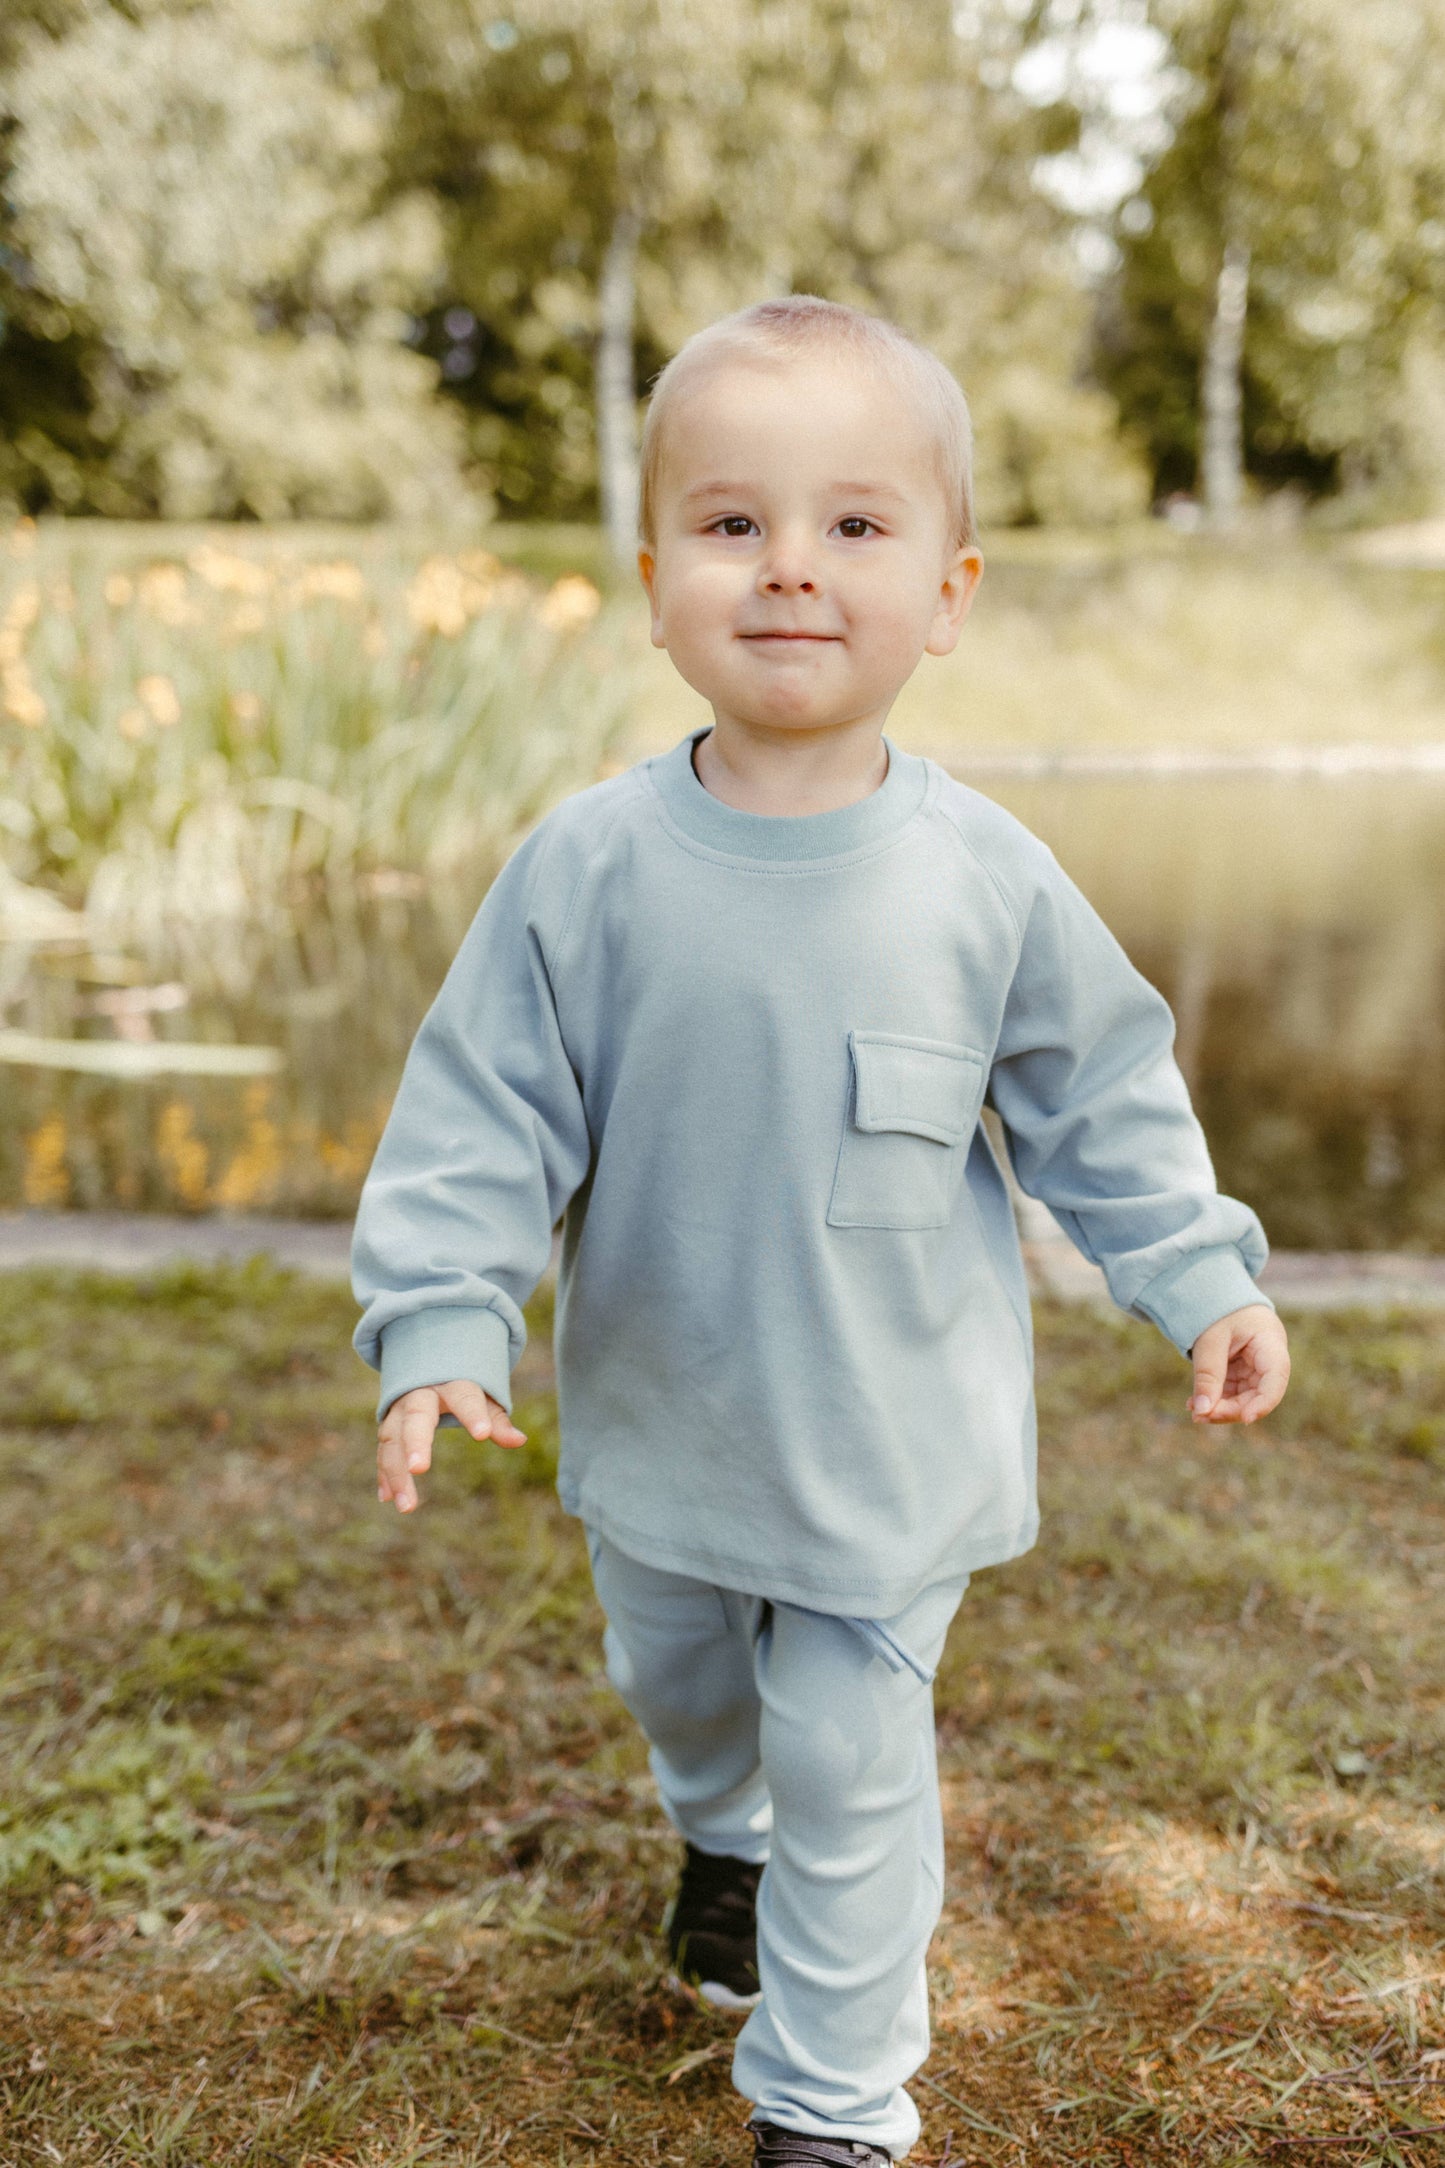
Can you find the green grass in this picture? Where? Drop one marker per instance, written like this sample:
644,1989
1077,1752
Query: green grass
323,1839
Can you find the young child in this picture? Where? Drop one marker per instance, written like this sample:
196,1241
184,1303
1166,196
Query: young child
732,1016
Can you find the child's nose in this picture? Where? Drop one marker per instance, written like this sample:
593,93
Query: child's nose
789,570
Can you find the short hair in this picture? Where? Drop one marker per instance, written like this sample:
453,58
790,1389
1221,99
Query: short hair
801,322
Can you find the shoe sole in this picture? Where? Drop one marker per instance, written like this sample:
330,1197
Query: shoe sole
714,1991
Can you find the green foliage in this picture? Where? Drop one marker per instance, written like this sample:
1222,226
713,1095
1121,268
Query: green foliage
1309,132
199,195
249,244
260,260
513,142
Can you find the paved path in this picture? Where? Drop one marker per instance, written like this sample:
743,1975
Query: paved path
1295,1279
140,1241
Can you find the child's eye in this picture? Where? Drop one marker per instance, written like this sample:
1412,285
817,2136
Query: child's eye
855,526
733,523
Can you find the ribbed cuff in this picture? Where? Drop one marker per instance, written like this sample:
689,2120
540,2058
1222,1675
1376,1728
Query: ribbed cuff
1196,1291
431,1347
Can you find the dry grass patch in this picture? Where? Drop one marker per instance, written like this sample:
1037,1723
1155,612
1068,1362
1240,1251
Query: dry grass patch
324,1840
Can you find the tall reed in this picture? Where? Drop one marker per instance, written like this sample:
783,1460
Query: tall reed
192,743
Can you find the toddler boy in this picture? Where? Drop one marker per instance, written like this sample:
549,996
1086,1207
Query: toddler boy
732,1017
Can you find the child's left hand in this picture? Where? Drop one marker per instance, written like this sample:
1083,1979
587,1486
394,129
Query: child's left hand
1241,1367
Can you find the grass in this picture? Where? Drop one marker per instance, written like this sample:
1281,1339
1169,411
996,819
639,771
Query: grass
324,1841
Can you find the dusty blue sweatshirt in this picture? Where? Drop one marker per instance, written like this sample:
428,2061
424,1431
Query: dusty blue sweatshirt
742,1057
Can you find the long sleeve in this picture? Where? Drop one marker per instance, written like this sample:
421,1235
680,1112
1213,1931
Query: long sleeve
1100,1127
486,1141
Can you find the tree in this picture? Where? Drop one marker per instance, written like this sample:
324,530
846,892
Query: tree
264,234
567,145
506,130
893,131
200,189
674,71
1288,249
855,148
49,448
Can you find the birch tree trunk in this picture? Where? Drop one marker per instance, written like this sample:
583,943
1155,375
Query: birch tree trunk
615,396
1223,453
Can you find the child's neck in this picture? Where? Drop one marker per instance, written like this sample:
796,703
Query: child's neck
791,772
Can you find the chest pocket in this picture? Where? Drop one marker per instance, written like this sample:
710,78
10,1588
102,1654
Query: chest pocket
912,1108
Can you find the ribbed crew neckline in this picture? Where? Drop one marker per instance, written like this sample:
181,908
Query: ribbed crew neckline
780,837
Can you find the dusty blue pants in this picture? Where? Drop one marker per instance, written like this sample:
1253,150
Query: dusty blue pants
807,1741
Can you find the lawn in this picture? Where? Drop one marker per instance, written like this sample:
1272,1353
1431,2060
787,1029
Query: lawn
324,1840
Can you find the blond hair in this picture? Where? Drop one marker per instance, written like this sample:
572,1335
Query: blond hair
772,330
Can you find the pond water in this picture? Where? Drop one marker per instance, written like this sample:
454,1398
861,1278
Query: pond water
1296,924
1297,927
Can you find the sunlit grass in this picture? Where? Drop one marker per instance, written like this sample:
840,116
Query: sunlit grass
324,1840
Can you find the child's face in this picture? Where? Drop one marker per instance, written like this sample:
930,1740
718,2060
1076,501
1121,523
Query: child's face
803,560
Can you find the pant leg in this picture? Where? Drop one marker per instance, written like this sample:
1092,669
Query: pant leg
742,1700
854,1885
680,1654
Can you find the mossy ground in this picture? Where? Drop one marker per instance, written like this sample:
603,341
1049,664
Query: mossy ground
324,1841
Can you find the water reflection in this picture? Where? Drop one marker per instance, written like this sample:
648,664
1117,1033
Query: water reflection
1296,925
1298,928
337,984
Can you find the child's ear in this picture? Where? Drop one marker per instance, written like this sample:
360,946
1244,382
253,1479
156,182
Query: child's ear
647,568
959,585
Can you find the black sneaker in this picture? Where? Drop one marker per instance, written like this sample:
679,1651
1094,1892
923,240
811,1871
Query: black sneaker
776,2148
712,1928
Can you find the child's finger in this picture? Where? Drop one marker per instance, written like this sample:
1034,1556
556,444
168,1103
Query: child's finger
465,1399
1250,1393
504,1430
393,1478
1266,1390
479,1413
1210,1357
418,1427
404,1446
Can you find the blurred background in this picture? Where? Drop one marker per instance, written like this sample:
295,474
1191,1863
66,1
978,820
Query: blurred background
324,334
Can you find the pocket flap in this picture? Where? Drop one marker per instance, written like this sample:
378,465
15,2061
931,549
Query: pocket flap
924,1086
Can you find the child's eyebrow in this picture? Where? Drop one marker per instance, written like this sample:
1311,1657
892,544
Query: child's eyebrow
870,489
883,490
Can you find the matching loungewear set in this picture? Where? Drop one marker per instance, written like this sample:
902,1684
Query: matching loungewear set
743,1058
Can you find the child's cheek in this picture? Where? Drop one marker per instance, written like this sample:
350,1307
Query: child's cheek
705,612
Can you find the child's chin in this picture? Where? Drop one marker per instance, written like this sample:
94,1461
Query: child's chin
800,718
796,703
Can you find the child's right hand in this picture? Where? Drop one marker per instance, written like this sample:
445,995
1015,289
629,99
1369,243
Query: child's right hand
404,1440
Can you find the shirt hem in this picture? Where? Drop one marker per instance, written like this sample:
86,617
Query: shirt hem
839,1597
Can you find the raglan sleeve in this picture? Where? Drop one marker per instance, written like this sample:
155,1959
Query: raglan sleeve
1100,1127
486,1141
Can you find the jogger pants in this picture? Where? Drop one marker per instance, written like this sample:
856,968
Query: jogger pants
805,1740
